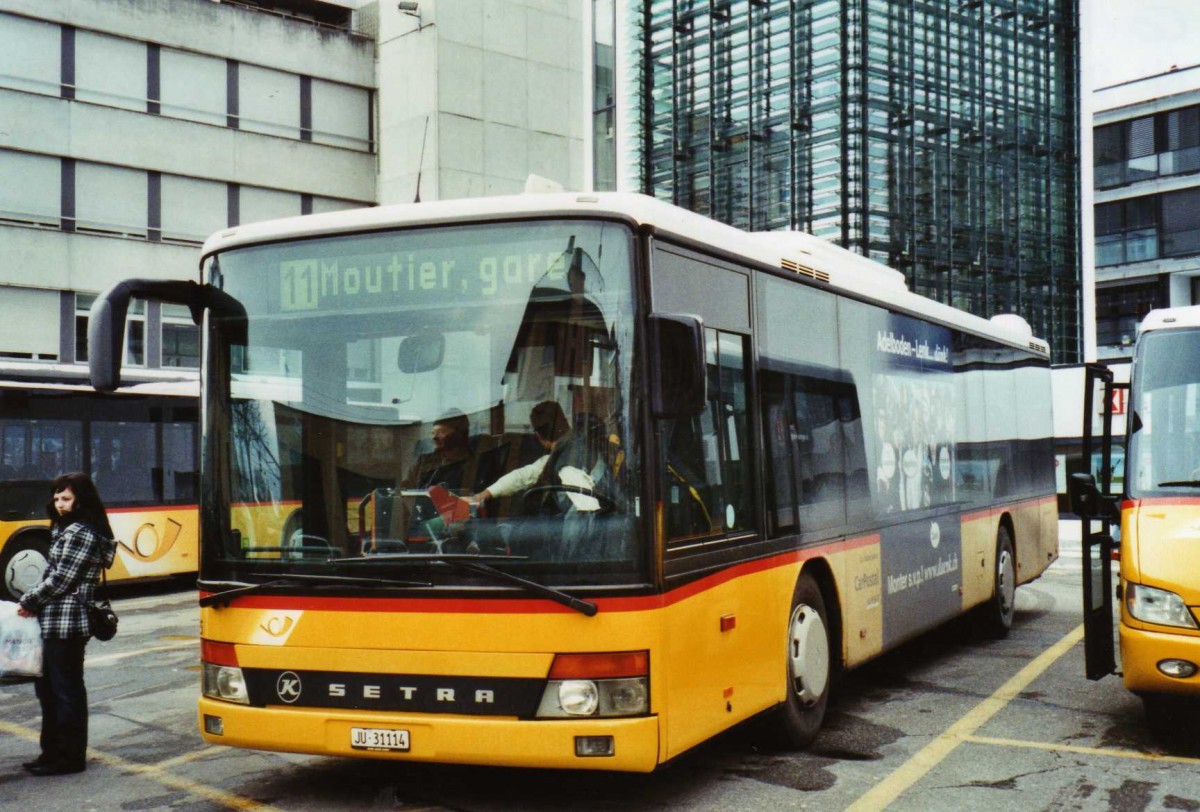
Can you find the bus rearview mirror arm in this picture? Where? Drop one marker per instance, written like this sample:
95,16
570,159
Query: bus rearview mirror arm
106,320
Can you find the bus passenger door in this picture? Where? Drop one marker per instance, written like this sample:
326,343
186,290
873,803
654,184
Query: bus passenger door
1092,500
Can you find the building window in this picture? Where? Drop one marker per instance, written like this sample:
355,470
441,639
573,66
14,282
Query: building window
268,101
29,55
1181,223
1148,147
111,199
110,71
192,87
1127,231
83,306
31,190
135,334
29,329
341,115
180,338
192,209
257,204
1119,310
135,330
604,137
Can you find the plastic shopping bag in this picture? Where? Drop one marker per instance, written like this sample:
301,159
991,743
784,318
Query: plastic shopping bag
20,645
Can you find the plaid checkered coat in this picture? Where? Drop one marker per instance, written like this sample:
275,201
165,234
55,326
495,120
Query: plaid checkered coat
77,554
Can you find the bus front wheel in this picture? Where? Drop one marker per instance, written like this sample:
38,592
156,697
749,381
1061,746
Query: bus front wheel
795,723
996,615
22,564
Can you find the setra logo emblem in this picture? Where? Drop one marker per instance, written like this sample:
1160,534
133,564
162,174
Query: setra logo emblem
288,687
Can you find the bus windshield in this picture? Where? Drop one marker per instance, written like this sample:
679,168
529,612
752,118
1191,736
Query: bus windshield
1164,428
410,396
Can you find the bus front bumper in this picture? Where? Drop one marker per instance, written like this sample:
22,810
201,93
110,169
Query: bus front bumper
507,742
1141,653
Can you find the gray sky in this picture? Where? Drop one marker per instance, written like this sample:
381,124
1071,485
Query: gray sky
1130,39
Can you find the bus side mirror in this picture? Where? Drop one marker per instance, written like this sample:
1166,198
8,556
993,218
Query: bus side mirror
679,377
1086,500
106,321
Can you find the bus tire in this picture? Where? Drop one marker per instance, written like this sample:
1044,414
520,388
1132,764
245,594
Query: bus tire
810,667
996,615
23,562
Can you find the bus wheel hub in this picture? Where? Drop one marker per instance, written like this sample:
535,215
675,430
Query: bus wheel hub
808,652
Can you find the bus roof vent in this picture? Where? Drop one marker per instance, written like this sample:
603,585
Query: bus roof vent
802,269
822,260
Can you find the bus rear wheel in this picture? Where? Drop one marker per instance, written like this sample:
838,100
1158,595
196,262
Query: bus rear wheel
996,615
795,723
22,565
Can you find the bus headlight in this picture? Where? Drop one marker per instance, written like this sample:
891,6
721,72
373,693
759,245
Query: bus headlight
602,697
1157,606
578,697
225,682
606,684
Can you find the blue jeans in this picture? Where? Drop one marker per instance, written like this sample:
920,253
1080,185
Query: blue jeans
63,696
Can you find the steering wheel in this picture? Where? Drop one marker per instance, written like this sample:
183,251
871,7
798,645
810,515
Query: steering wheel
536,500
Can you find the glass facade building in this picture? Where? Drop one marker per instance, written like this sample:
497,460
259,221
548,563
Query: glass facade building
939,137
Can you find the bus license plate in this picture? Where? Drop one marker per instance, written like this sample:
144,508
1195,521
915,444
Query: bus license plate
378,738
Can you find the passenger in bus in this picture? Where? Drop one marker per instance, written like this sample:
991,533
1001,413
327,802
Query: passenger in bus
550,426
449,464
81,547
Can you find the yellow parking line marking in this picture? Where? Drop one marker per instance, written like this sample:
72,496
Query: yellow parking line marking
158,774
103,659
1087,751
933,753
194,755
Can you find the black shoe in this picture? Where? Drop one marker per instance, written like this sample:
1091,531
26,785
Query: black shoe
37,762
59,768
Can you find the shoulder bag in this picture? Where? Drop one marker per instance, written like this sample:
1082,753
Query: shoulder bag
102,618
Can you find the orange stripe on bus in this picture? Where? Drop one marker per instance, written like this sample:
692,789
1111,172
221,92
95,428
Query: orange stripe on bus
1129,504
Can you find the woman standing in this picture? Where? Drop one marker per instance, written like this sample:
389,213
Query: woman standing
81,545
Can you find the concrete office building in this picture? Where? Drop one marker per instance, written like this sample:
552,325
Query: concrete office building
937,137
134,130
1146,169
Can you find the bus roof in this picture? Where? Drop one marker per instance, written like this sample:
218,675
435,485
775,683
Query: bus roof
1170,317
792,251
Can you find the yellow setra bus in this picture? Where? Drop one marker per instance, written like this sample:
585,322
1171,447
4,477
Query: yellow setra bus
1150,519
139,444
580,481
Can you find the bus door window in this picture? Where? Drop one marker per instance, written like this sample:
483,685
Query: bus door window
706,463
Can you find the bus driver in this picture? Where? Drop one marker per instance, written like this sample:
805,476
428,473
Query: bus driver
550,426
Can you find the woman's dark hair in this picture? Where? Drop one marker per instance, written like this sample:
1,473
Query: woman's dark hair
88,508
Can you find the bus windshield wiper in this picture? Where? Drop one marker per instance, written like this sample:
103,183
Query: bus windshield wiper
475,563
1180,483
281,579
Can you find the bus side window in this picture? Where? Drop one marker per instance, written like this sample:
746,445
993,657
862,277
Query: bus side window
707,464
